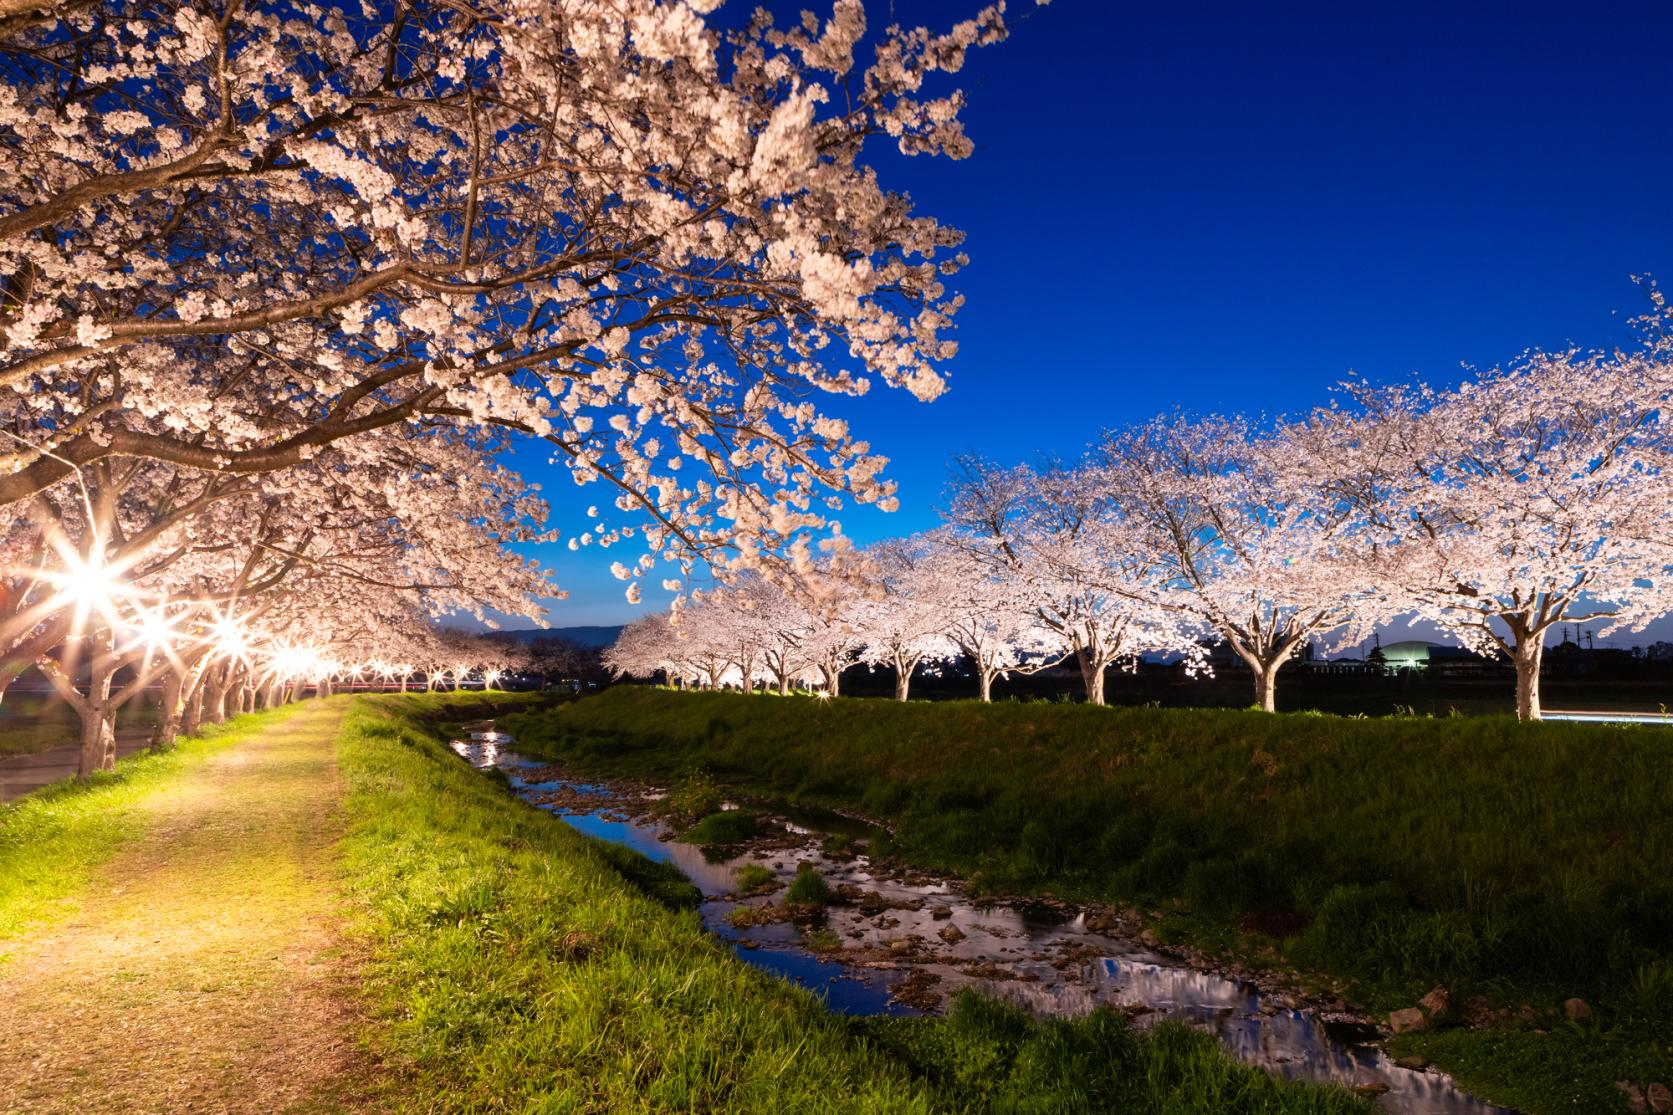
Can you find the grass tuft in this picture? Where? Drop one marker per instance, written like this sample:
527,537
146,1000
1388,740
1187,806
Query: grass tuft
734,826
753,876
808,888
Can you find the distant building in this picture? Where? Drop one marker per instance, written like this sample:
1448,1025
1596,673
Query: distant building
1434,658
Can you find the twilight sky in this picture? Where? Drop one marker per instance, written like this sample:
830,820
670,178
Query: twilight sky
1214,208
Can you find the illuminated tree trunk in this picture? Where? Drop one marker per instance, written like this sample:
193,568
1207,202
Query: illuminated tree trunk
1092,669
1527,656
215,694
1266,687
229,693
167,729
833,677
191,719
96,711
904,665
98,742
985,677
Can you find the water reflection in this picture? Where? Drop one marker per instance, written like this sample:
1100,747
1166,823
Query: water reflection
892,929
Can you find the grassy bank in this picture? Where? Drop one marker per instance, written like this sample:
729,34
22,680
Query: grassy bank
53,840
1521,863
518,966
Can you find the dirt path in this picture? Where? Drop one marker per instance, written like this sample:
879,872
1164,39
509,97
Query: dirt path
201,973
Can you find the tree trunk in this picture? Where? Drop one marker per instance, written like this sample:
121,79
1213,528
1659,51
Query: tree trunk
107,729
903,679
229,695
1092,676
986,676
1528,655
1266,686
98,733
832,676
173,703
214,695
192,719
98,741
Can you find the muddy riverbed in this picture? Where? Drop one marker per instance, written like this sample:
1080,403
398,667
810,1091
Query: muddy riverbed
898,942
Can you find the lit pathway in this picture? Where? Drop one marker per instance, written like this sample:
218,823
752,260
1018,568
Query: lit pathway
1607,717
22,774
200,973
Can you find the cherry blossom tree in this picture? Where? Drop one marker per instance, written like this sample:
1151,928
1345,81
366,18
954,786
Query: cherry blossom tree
1530,496
986,610
645,648
897,617
1246,543
157,572
234,234
774,626
1083,568
835,634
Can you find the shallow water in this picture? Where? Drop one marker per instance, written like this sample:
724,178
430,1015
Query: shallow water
900,934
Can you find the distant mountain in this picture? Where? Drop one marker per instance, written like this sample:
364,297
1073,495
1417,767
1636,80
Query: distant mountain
595,637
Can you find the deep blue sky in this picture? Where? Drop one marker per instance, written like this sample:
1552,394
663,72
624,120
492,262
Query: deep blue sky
1225,209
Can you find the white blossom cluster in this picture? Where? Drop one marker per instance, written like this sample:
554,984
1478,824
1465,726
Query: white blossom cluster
233,234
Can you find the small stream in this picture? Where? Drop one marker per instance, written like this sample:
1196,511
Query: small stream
907,941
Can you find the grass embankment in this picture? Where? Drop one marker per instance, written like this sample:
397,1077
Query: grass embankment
1523,863
517,965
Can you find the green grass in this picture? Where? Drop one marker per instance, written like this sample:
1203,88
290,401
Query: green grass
516,965
693,795
990,1056
808,888
752,875
1524,863
53,840
734,826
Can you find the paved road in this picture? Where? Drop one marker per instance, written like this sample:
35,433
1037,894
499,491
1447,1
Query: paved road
20,774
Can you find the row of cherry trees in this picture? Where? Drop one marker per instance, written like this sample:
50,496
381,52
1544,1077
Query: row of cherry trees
227,593
1529,496
277,280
